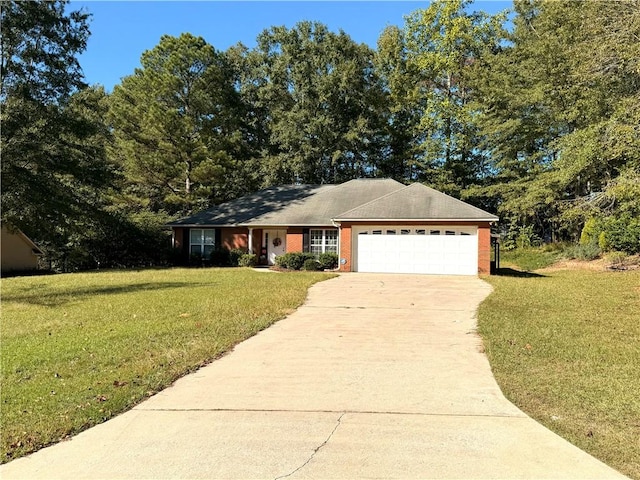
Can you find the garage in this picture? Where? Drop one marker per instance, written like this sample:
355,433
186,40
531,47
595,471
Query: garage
444,250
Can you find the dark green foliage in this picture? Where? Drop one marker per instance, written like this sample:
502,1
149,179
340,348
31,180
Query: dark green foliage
179,128
318,99
520,237
328,260
53,158
294,260
119,241
401,157
220,257
623,234
560,108
196,260
234,256
443,43
113,241
614,233
311,264
40,41
248,260
55,171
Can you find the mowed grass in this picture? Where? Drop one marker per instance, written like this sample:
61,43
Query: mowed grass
80,348
565,348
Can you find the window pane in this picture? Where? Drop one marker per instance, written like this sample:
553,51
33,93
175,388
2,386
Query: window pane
196,249
316,237
449,232
331,237
316,249
207,250
405,231
364,233
331,248
434,232
377,232
196,235
209,237
421,231
391,232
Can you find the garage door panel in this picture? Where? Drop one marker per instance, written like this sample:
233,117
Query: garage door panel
414,253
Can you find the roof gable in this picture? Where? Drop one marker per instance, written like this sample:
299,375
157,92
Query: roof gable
416,202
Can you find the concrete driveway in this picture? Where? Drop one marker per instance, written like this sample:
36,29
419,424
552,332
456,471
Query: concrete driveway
376,376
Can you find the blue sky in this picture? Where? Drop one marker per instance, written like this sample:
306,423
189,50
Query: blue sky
122,30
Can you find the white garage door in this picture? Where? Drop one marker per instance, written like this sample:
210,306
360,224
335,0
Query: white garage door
449,250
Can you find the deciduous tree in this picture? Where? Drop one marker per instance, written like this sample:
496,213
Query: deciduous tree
443,43
320,99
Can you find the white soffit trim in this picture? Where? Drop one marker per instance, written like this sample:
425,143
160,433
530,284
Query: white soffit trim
423,220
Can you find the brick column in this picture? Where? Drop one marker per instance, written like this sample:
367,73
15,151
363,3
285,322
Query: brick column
345,248
484,249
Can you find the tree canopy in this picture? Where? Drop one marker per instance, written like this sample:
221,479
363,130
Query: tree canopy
533,114
319,100
52,136
178,126
560,114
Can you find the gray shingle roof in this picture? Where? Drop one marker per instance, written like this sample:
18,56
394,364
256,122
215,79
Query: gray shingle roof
240,210
416,202
319,205
319,209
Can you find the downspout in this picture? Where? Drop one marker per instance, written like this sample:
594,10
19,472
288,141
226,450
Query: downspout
338,226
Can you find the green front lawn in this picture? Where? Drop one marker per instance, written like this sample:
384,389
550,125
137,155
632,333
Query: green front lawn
80,348
565,348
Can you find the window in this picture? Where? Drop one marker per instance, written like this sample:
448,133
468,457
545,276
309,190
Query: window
202,241
377,232
464,233
434,232
365,232
449,232
391,232
405,231
322,241
421,231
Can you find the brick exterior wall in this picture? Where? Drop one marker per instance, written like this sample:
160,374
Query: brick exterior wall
345,248
294,239
484,249
234,238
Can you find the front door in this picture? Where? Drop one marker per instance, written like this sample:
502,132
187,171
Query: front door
275,243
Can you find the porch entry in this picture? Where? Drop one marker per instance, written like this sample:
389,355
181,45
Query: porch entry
275,243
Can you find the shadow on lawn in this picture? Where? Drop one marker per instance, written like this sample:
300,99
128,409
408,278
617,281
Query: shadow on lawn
54,299
510,272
